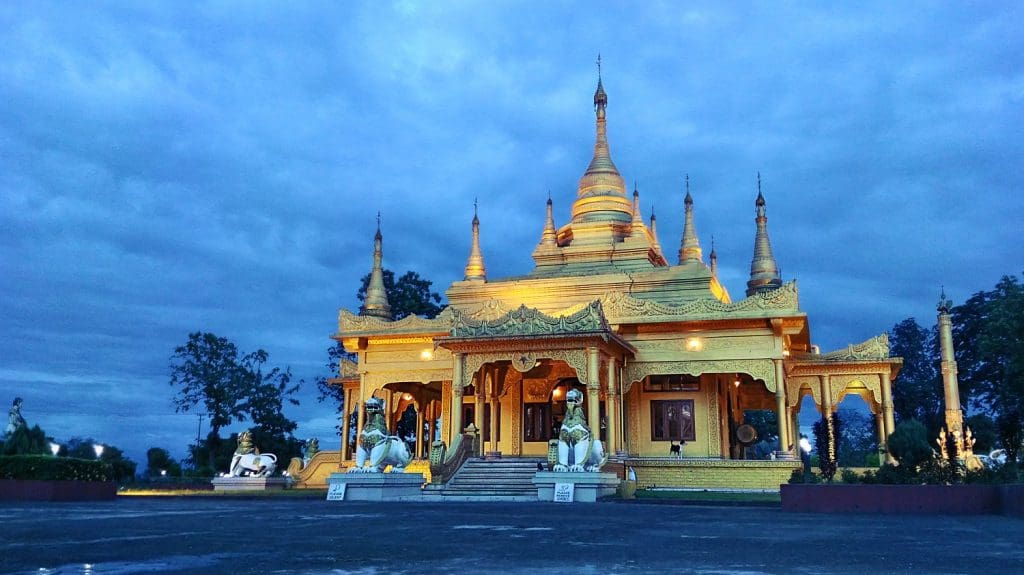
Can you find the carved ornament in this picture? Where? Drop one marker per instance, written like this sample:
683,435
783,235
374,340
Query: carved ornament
620,307
874,348
763,369
526,321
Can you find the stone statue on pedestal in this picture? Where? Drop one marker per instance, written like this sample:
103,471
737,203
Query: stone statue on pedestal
375,448
578,450
249,461
14,419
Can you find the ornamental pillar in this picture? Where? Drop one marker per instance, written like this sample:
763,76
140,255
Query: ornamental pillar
950,387
361,418
346,416
495,389
611,409
887,411
456,414
593,390
781,409
826,409
419,431
883,443
479,390
432,424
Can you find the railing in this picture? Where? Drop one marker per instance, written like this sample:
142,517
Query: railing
445,462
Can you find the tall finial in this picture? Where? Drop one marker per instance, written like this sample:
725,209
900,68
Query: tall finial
689,247
638,218
475,269
598,66
764,272
376,301
549,237
944,304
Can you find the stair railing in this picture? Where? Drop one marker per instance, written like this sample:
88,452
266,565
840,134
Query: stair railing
444,462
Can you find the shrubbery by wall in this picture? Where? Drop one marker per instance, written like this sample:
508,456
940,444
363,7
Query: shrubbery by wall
47,467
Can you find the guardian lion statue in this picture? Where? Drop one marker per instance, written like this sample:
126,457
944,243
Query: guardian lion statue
577,449
248,461
375,448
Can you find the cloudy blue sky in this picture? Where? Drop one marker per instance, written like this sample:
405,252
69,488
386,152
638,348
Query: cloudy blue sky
219,168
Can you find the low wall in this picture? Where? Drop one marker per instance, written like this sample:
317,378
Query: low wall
30,490
937,499
710,473
1012,499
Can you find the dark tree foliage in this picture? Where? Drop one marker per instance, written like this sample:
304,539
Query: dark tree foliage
26,441
917,392
159,460
824,435
986,434
909,444
210,371
327,391
409,295
858,439
122,468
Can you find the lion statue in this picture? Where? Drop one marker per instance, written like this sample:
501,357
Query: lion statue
375,449
248,461
577,449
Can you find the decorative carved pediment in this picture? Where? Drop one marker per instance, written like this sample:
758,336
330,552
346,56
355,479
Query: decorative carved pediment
349,322
348,368
763,369
526,321
619,307
874,348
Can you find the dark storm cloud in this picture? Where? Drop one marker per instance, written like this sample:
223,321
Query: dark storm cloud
167,170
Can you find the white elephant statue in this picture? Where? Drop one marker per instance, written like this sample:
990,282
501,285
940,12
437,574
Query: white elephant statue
375,449
578,450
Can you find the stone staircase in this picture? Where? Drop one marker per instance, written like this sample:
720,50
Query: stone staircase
494,480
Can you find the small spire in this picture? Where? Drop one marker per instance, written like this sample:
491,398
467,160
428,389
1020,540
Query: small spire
600,98
944,304
549,237
375,303
475,269
654,232
714,258
764,272
689,247
638,218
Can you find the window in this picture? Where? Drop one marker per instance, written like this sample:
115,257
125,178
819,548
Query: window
681,382
672,420
536,421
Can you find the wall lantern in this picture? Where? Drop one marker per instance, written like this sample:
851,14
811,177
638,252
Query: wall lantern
694,344
427,354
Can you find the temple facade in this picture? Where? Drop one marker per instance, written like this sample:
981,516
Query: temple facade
670,365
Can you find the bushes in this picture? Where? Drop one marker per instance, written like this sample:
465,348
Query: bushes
909,444
45,467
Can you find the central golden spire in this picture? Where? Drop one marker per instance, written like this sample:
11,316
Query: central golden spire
601,194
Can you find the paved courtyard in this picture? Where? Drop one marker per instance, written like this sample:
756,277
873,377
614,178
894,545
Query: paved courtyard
206,535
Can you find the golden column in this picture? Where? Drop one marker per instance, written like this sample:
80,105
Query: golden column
419,430
479,390
888,417
826,410
593,391
361,418
495,390
456,396
954,416
882,439
347,395
611,409
781,409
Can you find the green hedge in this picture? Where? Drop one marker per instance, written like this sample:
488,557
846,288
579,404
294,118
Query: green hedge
47,467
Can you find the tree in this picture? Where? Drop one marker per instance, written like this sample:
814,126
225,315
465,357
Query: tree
122,468
989,336
857,439
327,391
208,373
410,295
26,441
158,461
265,395
909,444
917,393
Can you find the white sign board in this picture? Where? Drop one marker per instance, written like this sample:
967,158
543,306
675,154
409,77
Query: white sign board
564,492
336,492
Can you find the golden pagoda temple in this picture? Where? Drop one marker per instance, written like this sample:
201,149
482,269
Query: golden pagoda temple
668,363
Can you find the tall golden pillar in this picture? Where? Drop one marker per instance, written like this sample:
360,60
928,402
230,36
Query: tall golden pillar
888,416
456,396
479,390
593,389
781,410
611,409
495,390
361,418
346,416
419,432
951,389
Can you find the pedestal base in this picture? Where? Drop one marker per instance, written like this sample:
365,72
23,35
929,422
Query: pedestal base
249,483
376,486
587,487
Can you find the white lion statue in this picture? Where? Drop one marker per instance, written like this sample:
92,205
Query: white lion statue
248,460
577,449
375,449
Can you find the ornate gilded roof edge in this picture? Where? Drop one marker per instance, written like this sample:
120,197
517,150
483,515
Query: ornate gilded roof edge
527,321
621,307
875,348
